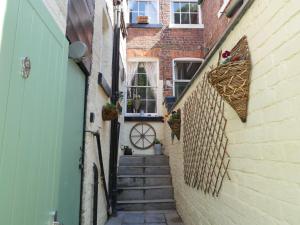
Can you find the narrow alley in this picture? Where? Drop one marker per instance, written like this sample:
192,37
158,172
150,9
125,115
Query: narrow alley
149,112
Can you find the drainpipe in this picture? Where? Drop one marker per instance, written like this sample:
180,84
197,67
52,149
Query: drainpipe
114,145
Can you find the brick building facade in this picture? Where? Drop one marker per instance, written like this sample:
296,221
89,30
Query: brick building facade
167,43
214,21
164,43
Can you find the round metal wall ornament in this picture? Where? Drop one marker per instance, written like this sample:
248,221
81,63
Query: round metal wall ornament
26,67
142,136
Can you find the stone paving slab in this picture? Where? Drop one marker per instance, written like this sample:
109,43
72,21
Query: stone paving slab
155,218
163,217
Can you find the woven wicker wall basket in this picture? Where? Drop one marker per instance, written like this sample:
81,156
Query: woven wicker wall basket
175,123
232,80
175,127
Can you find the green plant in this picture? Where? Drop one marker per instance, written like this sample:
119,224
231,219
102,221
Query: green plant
110,106
156,141
175,116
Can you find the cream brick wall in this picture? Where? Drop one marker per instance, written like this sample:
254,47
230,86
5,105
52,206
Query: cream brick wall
102,55
58,10
265,155
3,5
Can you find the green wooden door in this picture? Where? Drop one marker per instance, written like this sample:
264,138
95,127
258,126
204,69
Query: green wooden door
32,120
69,193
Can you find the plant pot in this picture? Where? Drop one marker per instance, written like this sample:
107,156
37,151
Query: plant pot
143,19
109,113
127,151
157,149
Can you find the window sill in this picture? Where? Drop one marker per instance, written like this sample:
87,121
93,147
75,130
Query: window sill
223,7
187,26
143,118
136,25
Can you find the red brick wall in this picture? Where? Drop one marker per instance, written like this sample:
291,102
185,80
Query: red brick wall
165,43
214,27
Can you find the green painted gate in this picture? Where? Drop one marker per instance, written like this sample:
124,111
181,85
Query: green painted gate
41,119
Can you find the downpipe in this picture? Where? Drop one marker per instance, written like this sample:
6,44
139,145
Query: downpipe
114,132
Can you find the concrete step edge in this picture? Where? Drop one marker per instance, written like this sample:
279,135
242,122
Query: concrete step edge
143,166
145,201
139,156
144,176
146,187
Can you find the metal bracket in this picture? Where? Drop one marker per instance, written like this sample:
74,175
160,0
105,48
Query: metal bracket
53,219
26,67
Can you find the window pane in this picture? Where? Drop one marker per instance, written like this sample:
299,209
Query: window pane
177,18
141,98
186,70
194,7
194,19
142,6
179,87
185,7
185,18
176,6
133,17
151,11
133,5
148,106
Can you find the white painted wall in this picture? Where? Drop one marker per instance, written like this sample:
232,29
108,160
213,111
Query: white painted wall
265,155
58,9
158,126
102,62
3,5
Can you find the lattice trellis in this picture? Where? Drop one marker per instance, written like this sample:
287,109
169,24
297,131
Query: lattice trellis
204,139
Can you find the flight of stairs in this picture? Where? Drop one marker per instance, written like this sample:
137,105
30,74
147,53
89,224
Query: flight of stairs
144,183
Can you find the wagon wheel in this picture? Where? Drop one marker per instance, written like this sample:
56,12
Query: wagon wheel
142,135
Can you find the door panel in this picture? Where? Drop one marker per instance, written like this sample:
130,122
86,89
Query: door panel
32,119
72,141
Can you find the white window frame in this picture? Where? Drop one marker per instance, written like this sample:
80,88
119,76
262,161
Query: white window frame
182,60
157,7
173,25
156,88
223,7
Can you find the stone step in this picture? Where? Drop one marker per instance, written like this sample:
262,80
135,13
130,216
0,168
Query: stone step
141,205
141,160
144,170
143,180
145,193
146,187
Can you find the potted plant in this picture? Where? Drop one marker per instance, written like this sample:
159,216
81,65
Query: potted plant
143,19
175,123
157,147
127,150
109,112
129,106
137,103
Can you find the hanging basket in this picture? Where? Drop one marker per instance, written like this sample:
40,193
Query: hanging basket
175,127
232,80
109,113
175,123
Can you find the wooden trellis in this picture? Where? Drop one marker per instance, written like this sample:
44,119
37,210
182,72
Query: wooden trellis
204,139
